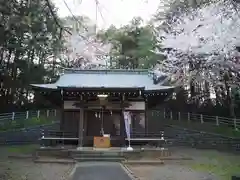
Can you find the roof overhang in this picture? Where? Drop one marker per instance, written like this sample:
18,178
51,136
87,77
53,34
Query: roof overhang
99,88
55,87
44,86
160,89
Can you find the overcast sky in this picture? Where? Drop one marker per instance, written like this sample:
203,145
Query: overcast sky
117,12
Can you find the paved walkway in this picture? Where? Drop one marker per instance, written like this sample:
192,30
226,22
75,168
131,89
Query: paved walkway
100,171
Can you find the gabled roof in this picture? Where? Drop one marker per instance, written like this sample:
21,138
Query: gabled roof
116,78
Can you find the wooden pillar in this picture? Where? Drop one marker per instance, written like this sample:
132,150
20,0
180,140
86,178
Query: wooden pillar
146,117
81,125
85,124
62,113
62,121
122,123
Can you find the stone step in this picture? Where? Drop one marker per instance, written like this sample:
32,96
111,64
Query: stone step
96,157
97,154
106,159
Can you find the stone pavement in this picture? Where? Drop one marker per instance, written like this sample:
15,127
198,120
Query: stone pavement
100,171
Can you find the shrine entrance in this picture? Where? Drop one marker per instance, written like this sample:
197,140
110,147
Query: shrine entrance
99,123
103,122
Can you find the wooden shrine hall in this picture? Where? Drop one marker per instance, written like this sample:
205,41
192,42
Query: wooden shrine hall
92,103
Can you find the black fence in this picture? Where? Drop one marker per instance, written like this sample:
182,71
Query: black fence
202,140
158,120
153,125
26,135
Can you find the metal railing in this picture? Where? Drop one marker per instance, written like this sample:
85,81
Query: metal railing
17,120
199,118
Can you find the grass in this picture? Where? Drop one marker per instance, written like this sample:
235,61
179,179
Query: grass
25,123
22,149
211,128
223,166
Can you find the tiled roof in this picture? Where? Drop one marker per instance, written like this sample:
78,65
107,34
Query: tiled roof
105,79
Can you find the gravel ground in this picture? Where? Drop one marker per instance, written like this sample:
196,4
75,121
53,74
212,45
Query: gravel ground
28,170
169,172
206,165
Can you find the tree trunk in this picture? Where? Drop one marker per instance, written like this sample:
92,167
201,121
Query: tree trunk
230,100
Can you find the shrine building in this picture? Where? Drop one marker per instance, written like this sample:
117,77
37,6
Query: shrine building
92,102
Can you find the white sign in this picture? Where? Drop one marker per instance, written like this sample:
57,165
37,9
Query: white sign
127,120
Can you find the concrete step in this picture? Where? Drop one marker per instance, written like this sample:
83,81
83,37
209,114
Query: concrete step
105,159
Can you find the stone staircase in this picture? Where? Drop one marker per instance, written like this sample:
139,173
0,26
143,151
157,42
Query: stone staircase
97,155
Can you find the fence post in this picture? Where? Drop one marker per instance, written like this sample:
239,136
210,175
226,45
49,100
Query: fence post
217,121
13,116
201,118
235,123
42,138
27,114
164,113
55,112
38,114
188,116
162,135
179,116
47,113
171,115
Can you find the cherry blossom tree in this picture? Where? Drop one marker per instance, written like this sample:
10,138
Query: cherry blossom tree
202,47
205,38
82,48
86,52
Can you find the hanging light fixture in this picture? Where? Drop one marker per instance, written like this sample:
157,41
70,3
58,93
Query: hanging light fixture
103,96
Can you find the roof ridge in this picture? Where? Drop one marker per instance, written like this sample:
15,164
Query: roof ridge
106,71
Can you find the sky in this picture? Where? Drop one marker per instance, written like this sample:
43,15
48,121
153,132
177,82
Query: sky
116,12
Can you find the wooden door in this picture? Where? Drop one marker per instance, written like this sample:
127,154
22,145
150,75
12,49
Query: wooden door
71,123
